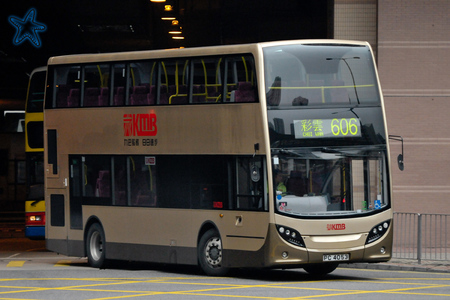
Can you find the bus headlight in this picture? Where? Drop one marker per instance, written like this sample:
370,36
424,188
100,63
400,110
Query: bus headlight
290,235
377,232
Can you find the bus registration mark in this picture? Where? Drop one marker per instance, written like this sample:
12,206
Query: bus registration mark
336,257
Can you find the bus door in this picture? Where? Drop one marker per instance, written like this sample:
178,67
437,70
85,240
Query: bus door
247,227
56,197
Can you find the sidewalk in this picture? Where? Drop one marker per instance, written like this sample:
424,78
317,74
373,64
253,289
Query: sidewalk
404,265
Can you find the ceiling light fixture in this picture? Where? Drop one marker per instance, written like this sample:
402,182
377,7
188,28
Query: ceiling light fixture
175,28
167,14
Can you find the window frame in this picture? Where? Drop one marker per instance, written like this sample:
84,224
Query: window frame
158,71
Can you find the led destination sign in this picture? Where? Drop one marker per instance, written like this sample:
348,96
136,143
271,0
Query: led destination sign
327,128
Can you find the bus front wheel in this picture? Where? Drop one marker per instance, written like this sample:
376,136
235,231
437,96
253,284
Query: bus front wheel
210,254
95,246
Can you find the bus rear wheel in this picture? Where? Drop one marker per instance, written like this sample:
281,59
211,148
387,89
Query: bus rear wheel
210,254
320,269
95,246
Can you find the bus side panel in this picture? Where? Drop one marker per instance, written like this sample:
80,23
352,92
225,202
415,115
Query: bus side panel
152,253
171,235
56,222
183,255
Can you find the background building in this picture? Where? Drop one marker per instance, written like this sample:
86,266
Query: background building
411,41
413,59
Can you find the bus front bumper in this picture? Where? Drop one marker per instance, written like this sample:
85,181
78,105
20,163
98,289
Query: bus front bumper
35,232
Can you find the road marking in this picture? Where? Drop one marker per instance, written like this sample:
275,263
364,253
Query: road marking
15,264
63,263
12,256
116,288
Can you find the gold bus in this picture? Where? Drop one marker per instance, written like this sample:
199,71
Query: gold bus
261,155
34,151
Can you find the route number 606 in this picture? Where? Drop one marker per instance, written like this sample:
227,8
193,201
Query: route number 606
344,127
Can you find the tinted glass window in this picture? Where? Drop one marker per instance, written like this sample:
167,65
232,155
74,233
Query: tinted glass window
300,75
180,181
214,79
36,92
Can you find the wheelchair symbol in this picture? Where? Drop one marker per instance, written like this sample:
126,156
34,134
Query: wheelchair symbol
377,204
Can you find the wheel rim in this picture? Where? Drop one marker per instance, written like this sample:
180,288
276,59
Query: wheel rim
213,252
96,245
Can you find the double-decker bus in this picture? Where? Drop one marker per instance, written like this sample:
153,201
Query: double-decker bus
268,155
34,150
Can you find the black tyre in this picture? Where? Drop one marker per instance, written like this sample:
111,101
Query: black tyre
95,246
210,254
320,269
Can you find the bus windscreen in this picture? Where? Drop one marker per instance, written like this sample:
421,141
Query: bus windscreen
317,75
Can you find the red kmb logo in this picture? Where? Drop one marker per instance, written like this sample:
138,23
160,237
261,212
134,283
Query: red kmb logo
335,226
139,124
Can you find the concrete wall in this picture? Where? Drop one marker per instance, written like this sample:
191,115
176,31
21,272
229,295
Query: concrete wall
414,69
356,20
412,46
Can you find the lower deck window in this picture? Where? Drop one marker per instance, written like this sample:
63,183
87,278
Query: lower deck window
198,182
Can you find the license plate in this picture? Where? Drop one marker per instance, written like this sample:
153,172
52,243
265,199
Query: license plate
336,257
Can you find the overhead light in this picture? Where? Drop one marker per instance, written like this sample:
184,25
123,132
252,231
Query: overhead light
178,37
167,14
175,28
158,1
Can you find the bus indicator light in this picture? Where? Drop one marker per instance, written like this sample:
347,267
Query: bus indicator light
217,204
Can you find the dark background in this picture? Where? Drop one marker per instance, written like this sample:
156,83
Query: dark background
98,26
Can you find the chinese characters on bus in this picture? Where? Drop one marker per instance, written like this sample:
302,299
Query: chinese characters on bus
327,128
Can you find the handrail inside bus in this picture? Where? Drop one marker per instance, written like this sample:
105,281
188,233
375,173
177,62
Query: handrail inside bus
322,88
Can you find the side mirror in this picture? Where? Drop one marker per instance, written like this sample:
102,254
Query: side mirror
401,166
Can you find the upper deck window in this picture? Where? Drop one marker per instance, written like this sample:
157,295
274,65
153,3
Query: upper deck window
315,75
12,121
36,93
172,81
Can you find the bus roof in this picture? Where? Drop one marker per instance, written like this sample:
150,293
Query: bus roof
187,52
39,69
